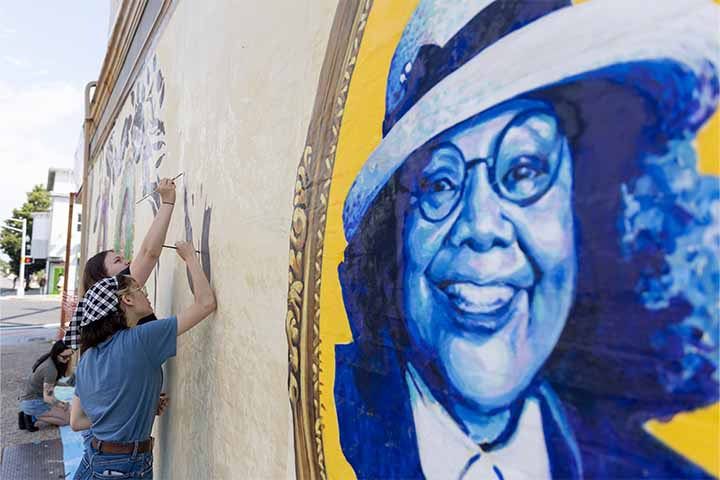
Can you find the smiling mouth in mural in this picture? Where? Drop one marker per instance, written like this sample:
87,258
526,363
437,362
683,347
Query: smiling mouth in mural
479,299
484,304
485,308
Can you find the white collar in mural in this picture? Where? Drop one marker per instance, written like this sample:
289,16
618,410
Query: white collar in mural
446,452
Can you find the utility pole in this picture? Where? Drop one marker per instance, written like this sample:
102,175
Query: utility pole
23,232
68,245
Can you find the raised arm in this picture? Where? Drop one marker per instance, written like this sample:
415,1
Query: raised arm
204,303
146,258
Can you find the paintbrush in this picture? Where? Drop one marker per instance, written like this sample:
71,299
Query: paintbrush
175,248
150,194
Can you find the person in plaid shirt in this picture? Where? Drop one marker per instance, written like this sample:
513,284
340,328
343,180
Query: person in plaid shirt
109,263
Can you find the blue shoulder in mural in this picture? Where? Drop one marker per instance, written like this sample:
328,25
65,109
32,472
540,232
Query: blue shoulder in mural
531,271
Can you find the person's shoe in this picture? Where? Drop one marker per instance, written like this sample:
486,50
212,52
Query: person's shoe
30,424
21,421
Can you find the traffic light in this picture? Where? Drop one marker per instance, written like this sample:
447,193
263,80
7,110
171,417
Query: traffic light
28,260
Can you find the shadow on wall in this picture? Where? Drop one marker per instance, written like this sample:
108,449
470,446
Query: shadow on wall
204,245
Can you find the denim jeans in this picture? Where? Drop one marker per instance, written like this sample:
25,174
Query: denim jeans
95,465
35,407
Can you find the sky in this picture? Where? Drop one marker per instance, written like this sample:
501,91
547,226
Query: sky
49,51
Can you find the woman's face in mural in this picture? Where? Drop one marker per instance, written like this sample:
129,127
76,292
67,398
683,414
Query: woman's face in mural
488,249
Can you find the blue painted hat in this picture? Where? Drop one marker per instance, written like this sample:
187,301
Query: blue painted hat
458,58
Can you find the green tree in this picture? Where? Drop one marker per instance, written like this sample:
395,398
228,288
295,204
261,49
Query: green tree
4,267
38,200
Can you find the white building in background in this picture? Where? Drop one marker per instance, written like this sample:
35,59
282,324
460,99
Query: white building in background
49,237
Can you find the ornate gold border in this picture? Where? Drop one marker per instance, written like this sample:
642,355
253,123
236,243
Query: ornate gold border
308,232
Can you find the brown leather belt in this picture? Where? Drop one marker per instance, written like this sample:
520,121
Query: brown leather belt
122,447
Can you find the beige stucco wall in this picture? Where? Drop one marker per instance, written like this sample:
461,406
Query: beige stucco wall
239,84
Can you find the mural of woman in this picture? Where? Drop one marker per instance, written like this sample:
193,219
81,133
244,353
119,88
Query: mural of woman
531,271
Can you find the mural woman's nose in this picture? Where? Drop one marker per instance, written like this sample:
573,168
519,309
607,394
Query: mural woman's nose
481,223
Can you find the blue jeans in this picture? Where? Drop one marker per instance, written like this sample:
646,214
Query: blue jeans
95,466
34,407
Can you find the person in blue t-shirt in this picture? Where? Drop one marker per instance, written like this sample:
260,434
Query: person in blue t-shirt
109,263
118,378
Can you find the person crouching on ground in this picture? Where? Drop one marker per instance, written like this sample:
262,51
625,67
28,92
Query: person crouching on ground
39,399
118,376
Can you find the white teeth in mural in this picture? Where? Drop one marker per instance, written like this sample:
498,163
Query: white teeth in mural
474,298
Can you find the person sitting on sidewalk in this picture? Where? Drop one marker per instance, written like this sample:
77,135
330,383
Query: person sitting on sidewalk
39,402
109,263
118,376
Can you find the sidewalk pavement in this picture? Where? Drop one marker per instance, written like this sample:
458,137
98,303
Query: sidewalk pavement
18,352
24,337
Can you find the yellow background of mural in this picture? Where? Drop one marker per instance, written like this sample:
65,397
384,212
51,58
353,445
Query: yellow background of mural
695,435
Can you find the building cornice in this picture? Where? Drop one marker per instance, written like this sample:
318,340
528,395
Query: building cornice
126,22
135,27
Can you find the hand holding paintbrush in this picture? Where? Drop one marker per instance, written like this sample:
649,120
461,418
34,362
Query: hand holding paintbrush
166,189
175,248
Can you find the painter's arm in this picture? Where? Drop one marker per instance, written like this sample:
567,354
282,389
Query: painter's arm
204,303
78,419
147,256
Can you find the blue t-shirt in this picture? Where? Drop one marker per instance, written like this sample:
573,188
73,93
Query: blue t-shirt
118,382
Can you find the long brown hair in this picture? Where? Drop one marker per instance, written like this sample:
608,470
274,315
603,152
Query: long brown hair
57,348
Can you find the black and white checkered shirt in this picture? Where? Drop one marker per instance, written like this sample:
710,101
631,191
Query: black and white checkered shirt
72,336
99,301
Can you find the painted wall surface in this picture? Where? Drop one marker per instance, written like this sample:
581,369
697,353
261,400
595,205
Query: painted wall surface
519,257
225,96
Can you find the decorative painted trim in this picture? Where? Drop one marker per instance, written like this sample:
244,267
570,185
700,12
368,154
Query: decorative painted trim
308,232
